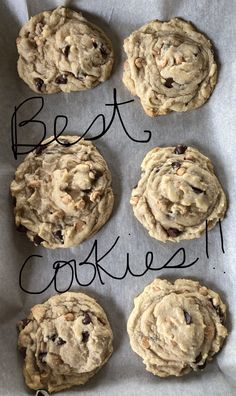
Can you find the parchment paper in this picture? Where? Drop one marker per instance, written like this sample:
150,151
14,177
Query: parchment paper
210,128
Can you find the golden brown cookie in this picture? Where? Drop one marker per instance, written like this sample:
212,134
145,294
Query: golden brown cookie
170,66
66,340
177,194
177,327
62,192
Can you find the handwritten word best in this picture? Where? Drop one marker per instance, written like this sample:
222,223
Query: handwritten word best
25,148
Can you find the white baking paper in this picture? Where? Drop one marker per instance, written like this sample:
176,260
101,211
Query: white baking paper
210,128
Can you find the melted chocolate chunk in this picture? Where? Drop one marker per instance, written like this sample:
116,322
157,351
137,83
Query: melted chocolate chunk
95,44
101,321
66,51
39,393
86,319
40,149
176,164
173,232
87,191
66,143
197,190
103,51
52,337
85,336
81,76
38,240
62,79
60,341
180,149
22,350
198,358
188,317
202,366
21,228
38,83
58,235
220,314
168,83
42,356
25,322
98,174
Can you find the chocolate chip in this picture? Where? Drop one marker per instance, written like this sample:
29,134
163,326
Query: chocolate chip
188,317
42,356
220,313
22,350
58,235
85,336
21,228
60,341
101,321
173,232
66,143
103,50
40,149
168,82
81,76
25,322
180,149
176,164
198,358
38,240
202,366
66,51
62,79
38,83
98,174
88,190
197,190
52,337
39,393
14,201
95,44
86,319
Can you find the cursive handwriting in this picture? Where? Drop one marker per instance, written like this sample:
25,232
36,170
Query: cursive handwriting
25,148
94,268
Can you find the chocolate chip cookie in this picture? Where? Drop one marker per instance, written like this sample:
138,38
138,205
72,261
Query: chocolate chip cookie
178,194
66,340
60,50
170,66
177,328
62,193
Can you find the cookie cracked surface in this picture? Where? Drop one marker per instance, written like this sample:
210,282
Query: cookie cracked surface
62,193
170,66
66,340
60,50
177,193
177,328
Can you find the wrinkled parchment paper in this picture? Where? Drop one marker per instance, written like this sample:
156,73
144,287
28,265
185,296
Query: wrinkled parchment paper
210,128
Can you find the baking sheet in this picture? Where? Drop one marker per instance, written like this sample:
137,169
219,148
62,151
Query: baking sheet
210,128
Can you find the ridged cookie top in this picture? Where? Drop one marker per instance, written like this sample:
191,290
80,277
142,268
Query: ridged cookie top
170,66
60,50
65,341
177,193
63,193
176,328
